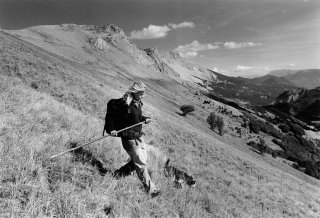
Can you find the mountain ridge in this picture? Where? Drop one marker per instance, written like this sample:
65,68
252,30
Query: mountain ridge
300,103
55,84
305,78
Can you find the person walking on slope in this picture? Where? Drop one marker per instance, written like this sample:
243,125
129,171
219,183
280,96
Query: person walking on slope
128,112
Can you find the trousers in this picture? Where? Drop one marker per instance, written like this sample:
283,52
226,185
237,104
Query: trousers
136,149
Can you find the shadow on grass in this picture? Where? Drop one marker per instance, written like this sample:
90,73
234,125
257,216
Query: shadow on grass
184,115
179,113
59,172
85,156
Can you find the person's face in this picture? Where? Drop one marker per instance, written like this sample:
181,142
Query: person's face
138,95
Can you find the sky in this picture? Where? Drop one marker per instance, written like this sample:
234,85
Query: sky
234,37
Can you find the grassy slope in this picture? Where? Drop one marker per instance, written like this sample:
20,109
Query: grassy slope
35,125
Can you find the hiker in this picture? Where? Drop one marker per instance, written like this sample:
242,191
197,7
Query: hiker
128,112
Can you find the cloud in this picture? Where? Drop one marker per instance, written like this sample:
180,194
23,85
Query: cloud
188,54
155,32
290,65
236,45
182,25
249,71
242,68
151,32
192,49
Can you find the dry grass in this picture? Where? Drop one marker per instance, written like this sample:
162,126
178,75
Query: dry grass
34,126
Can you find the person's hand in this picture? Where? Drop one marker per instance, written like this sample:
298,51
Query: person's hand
113,133
148,120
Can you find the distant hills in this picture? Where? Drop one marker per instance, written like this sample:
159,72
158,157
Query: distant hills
303,104
272,80
308,78
257,91
282,72
264,90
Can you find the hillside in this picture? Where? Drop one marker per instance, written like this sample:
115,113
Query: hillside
306,78
282,72
55,82
272,80
309,79
257,91
301,103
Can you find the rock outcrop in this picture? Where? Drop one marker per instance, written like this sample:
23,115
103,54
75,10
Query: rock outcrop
290,96
159,62
301,103
107,34
112,35
99,43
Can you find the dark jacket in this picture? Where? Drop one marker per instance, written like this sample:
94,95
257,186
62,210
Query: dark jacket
120,115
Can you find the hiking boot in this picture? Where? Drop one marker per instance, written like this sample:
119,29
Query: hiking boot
155,193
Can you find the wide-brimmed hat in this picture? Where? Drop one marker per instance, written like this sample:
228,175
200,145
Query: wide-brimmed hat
137,87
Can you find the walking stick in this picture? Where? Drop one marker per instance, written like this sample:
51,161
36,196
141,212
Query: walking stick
72,149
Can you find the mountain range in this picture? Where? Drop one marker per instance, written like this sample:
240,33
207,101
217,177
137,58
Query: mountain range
307,78
55,82
300,103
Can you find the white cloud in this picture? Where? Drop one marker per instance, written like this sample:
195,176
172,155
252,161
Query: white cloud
236,45
188,54
182,25
255,69
155,32
151,32
291,65
240,68
192,49
250,71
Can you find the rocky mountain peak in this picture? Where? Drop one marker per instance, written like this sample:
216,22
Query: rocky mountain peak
153,52
160,62
175,55
109,33
290,96
114,30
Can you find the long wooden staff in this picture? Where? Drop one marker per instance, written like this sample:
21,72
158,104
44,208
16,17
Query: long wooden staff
72,149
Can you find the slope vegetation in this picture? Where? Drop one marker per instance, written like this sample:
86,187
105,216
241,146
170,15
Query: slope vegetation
54,85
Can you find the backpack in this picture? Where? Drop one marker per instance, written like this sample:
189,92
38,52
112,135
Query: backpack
116,111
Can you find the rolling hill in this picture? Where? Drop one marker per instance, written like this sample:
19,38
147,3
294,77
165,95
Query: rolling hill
307,78
55,83
300,103
257,91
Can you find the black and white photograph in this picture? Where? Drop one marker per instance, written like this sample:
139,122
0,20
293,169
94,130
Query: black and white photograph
159,108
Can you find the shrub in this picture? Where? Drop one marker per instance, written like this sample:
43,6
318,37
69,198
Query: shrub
254,127
252,144
284,128
34,85
278,153
262,146
244,124
220,125
311,168
186,109
212,120
297,130
257,125
216,121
